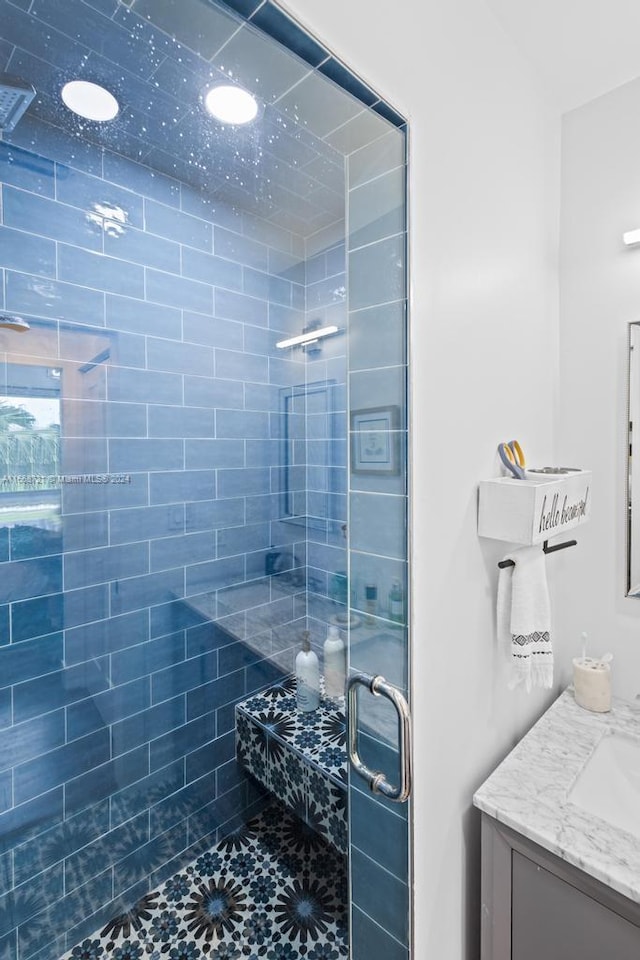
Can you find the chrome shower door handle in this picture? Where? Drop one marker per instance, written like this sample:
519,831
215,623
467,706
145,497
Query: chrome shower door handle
377,781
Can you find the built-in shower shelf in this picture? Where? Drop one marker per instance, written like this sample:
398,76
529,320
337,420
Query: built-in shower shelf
300,758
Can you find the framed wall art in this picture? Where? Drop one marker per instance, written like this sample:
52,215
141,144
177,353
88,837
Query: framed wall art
375,440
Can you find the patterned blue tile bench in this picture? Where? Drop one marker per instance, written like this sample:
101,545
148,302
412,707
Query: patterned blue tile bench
300,758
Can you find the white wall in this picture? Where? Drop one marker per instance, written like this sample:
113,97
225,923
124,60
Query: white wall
484,217
600,295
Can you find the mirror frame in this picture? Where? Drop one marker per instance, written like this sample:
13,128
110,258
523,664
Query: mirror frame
633,413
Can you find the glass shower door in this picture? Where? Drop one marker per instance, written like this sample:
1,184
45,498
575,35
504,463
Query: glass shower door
379,656
203,453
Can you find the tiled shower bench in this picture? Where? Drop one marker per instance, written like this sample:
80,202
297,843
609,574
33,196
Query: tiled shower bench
300,758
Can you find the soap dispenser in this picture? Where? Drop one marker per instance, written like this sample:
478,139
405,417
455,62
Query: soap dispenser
307,677
335,668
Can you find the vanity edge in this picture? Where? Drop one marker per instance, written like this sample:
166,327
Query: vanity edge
528,792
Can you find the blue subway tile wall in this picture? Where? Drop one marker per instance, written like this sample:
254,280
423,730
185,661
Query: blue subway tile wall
323,446
119,682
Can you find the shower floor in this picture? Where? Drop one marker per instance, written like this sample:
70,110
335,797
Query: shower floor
271,889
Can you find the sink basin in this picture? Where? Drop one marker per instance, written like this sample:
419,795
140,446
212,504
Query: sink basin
609,784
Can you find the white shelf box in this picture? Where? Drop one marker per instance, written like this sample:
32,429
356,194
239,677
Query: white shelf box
535,509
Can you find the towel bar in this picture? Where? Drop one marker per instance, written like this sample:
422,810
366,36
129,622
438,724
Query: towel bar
546,548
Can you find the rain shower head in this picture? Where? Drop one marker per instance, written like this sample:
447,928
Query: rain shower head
15,97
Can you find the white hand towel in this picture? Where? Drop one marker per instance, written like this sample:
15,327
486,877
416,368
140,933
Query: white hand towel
524,618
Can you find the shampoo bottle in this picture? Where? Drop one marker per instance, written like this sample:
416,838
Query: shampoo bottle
396,601
335,668
307,677
370,603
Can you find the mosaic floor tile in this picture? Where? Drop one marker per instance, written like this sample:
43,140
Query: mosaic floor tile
327,810
272,889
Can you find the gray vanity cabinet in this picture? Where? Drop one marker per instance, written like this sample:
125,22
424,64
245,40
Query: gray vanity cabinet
536,906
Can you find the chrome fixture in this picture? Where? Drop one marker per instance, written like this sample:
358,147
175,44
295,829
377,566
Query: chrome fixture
14,323
377,781
15,97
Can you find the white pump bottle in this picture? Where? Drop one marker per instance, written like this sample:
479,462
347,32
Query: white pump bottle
335,666
307,677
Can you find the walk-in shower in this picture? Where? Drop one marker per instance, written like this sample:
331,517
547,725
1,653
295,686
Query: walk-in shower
202,455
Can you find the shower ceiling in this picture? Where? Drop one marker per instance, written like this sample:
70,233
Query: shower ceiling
286,166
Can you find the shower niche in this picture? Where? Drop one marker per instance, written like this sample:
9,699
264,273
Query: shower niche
209,314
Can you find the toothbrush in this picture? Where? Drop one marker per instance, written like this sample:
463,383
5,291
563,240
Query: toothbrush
604,659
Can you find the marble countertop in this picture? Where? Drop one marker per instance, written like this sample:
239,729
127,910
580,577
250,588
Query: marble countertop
528,792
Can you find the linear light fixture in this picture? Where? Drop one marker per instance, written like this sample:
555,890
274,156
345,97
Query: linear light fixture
631,237
309,337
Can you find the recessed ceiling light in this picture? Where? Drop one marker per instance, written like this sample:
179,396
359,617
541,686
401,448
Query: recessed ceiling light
231,104
90,100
